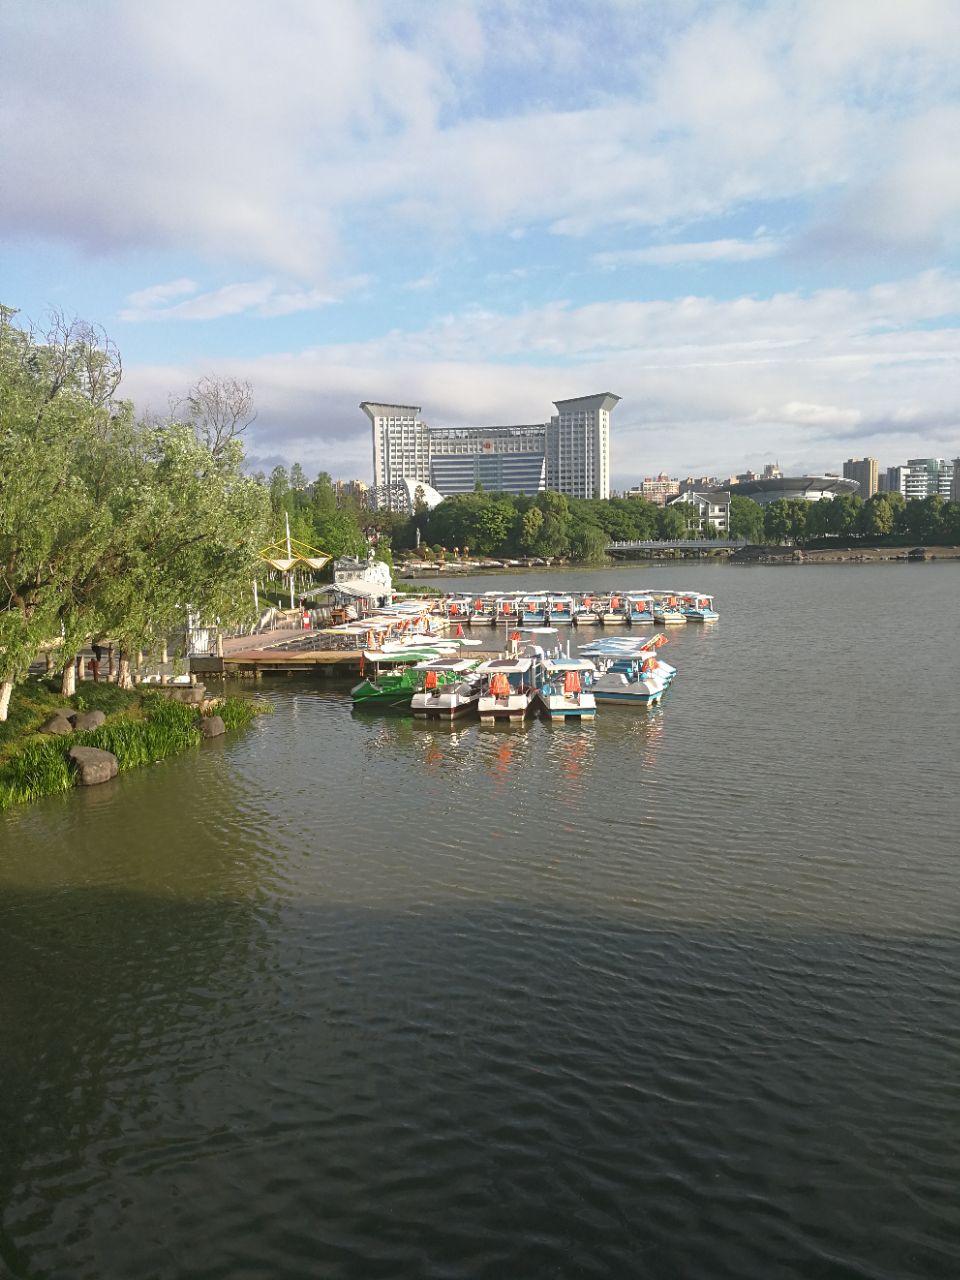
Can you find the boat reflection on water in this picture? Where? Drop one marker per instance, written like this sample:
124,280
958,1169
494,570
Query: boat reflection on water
643,735
573,754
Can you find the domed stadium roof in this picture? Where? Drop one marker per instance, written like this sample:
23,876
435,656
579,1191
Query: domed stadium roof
812,488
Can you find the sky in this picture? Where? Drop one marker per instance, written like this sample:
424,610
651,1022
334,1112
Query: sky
742,218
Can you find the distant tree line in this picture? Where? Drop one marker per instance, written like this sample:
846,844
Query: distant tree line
883,517
553,526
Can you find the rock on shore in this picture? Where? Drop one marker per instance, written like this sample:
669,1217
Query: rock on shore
93,765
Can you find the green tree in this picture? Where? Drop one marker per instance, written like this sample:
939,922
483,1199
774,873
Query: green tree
922,518
530,523
670,524
777,522
55,394
588,541
877,516
552,539
746,519
279,489
105,523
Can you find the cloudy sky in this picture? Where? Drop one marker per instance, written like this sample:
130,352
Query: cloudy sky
742,218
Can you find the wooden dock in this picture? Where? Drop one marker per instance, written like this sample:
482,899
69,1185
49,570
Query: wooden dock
260,662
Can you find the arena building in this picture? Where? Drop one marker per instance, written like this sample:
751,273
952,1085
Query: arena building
767,489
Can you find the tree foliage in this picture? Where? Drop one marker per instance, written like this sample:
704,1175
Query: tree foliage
106,523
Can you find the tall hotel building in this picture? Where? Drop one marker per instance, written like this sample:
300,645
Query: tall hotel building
569,454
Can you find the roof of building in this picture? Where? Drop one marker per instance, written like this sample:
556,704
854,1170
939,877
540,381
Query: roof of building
798,486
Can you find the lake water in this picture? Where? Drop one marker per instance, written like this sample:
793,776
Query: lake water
672,994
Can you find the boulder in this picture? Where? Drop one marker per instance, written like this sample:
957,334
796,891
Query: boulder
89,720
57,723
93,765
212,726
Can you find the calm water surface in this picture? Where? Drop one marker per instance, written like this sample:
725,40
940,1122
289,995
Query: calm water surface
676,994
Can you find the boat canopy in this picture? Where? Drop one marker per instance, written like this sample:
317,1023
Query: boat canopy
507,664
448,664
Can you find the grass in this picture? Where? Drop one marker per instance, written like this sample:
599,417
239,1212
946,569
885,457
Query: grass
39,769
142,729
37,699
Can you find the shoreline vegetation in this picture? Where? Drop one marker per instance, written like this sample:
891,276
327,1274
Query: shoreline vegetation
141,728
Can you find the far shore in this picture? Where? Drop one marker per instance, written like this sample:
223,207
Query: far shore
754,555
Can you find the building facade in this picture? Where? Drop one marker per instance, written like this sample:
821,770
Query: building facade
921,478
656,489
712,505
866,473
569,454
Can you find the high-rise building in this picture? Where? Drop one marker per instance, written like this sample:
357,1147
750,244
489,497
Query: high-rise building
569,454
955,481
865,472
921,477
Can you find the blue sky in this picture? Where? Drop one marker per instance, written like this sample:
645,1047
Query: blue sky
742,218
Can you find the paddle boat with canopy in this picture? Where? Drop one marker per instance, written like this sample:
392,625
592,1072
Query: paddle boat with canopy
390,679
450,687
630,674
697,606
612,610
533,610
567,689
667,610
510,686
639,608
560,611
585,610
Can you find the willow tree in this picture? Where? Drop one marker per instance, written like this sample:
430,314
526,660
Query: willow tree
54,389
106,524
188,534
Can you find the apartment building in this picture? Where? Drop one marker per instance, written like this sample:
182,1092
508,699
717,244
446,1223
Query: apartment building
920,478
656,489
866,473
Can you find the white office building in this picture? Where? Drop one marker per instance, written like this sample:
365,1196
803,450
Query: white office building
569,454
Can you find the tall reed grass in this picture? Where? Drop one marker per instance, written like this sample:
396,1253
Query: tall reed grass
163,728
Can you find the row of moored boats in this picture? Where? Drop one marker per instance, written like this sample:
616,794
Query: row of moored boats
584,608
437,679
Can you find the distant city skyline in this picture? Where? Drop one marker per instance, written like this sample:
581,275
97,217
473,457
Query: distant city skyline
744,216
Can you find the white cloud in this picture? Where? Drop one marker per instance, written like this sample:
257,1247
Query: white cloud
263,297
706,386
158,294
690,253
225,130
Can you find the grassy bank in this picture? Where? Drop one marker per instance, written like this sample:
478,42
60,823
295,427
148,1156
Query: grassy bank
140,729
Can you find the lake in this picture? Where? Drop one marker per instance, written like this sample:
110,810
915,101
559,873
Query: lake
671,994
